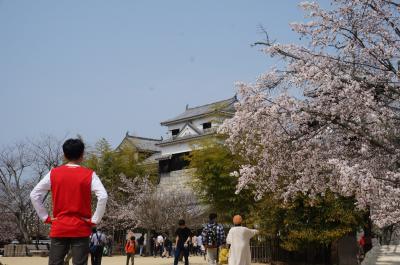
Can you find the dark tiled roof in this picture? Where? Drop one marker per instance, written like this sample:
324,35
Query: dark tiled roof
144,144
222,106
152,159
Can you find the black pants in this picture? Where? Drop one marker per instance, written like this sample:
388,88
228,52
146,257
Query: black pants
178,251
61,245
130,256
160,250
97,255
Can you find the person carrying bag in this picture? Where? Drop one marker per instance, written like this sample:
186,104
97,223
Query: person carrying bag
130,250
96,247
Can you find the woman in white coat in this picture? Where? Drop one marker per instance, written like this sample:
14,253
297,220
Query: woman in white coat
239,239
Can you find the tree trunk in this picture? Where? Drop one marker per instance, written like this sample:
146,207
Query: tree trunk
387,234
22,227
367,232
148,242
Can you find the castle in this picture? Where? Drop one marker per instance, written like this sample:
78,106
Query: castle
166,156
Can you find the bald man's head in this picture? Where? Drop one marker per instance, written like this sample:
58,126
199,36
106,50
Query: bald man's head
237,220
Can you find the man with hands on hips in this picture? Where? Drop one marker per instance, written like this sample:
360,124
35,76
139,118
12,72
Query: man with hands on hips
71,186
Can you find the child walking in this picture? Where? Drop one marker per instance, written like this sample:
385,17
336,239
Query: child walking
130,249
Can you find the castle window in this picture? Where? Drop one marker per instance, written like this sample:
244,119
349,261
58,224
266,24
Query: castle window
175,132
206,125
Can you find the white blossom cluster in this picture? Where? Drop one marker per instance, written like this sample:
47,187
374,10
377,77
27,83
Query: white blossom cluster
124,209
343,133
142,205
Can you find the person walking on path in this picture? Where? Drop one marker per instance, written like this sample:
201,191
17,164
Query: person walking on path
71,185
130,250
213,237
160,245
141,244
97,242
194,245
200,247
239,239
153,245
110,242
167,247
182,242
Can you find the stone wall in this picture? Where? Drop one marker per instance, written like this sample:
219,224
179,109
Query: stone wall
176,180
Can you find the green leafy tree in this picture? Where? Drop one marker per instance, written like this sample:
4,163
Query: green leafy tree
305,222
212,180
110,164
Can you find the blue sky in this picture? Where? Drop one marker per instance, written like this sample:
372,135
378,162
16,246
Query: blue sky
101,68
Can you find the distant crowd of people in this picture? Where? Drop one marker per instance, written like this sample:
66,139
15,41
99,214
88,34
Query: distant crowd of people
165,246
183,243
211,241
208,242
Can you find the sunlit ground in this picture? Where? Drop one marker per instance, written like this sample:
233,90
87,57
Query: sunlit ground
385,255
116,260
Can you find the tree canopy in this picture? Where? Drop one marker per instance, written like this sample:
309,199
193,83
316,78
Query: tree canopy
296,224
342,134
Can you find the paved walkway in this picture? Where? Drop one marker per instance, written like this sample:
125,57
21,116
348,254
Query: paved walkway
380,255
383,255
117,260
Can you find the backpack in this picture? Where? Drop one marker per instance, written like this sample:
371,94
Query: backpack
223,256
94,247
211,236
130,245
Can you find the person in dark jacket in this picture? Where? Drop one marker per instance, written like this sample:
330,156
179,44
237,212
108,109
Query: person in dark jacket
182,242
141,244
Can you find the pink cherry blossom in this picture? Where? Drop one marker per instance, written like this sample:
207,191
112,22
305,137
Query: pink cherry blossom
342,134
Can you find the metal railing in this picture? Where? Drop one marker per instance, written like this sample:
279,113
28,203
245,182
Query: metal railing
269,252
265,251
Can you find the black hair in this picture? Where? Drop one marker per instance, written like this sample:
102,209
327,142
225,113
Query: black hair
73,149
212,216
94,229
181,222
133,238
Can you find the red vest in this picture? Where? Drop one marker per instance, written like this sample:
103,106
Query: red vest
71,197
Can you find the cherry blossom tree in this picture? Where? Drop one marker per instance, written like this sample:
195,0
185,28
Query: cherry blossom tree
142,205
124,206
342,133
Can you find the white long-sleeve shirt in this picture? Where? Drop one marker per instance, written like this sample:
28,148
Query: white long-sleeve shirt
41,189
